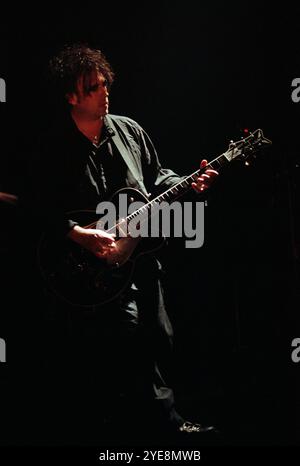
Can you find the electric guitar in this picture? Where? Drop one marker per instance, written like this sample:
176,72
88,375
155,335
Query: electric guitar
80,278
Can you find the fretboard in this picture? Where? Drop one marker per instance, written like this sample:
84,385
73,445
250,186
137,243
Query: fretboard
181,187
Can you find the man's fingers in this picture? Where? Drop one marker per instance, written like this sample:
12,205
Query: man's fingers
197,188
104,234
103,251
104,237
101,255
202,177
209,171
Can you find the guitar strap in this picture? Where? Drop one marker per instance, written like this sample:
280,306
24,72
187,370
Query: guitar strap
123,147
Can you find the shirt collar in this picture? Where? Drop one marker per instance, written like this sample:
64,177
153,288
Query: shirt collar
108,129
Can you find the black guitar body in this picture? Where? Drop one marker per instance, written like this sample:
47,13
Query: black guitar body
80,278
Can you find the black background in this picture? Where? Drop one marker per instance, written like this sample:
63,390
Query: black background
194,76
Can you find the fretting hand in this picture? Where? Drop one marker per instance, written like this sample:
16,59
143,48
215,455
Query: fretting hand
205,180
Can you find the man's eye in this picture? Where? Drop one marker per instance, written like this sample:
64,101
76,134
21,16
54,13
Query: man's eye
94,88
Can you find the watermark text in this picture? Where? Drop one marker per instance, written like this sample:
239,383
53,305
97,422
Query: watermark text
153,220
296,91
296,352
2,350
2,90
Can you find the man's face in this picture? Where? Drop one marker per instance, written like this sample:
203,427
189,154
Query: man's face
93,103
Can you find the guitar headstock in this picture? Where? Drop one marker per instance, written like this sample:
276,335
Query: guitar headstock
248,147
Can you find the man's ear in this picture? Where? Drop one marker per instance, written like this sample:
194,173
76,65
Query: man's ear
72,98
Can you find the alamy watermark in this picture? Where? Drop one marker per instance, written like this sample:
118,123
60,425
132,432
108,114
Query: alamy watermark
2,90
151,220
2,350
296,91
296,352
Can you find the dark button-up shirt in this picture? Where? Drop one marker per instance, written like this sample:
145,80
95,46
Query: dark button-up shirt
69,173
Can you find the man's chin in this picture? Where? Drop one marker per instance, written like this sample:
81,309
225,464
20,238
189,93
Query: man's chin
103,112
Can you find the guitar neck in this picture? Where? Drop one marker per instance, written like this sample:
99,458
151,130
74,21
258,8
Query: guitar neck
182,187
237,150
185,185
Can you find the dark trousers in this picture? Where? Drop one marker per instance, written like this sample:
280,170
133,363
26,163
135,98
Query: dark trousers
112,364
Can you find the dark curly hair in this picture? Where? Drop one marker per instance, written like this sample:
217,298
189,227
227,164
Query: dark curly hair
76,61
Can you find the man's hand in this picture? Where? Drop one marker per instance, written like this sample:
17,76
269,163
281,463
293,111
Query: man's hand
97,242
206,179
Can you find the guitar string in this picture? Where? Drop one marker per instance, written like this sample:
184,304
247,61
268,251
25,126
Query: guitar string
175,187
235,146
165,194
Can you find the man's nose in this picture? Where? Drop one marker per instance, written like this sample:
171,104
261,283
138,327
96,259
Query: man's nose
104,89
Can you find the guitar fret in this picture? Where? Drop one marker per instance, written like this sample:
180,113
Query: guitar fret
185,184
119,227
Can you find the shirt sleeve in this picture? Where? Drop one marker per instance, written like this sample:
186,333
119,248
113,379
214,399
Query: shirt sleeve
157,178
